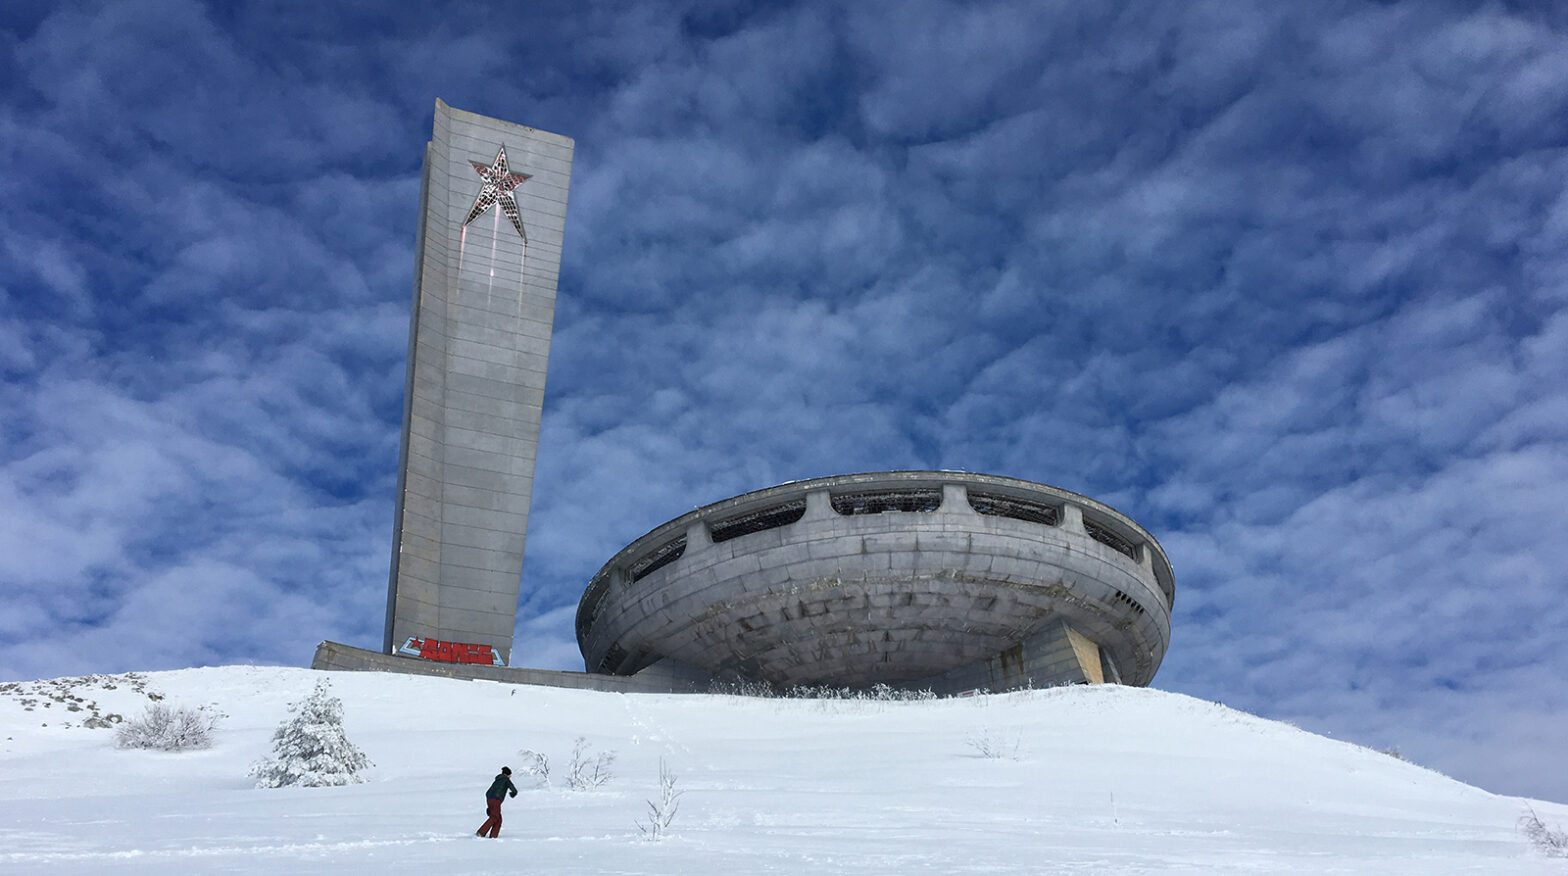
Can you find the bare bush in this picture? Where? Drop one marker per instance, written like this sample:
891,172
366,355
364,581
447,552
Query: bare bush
536,765
167,728
994,744
877,693
587,770
1553,843
760,689
880,693
661,812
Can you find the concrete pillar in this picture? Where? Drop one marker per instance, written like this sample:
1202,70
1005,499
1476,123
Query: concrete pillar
1108,670
955,499
1072,518
819,505
1049,657
1088,654
697,537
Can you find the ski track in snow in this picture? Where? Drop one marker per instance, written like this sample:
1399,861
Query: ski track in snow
1093,780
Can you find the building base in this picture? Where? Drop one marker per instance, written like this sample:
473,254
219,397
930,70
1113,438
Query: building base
1057,655
339,657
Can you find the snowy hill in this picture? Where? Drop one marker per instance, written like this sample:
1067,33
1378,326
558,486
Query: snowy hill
1103,779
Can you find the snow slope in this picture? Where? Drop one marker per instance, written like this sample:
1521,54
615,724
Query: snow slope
1105,780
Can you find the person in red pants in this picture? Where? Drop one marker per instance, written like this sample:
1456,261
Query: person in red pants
493,797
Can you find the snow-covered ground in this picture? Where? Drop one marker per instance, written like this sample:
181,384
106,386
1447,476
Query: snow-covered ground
1104,779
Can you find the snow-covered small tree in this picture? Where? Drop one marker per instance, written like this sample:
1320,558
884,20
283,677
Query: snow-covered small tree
310,749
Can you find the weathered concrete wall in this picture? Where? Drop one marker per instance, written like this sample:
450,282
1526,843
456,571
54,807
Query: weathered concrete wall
332,655
1044,659
897,597
479,343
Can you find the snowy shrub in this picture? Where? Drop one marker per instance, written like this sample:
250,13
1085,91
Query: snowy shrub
880,693
884,693
661,812
993,744
759,689
1554,843
310,749
535,765
167,728
587,770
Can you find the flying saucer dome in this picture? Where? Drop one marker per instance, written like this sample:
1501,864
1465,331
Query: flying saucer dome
942,580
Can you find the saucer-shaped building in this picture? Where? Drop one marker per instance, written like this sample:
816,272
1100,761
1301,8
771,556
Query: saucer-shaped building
945,581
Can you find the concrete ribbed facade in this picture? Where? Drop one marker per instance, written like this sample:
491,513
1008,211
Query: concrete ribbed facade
941,580
493,216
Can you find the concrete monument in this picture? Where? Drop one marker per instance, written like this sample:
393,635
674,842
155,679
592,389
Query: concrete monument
492,217
947,581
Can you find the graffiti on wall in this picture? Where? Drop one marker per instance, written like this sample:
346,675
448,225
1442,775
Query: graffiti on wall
450,652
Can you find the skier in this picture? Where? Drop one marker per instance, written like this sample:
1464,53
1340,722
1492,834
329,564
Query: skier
498,789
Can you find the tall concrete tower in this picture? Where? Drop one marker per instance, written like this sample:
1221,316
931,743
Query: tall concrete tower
492,218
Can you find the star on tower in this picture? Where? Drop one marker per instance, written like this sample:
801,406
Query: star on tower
499,183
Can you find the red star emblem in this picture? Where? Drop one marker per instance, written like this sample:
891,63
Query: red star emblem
497,189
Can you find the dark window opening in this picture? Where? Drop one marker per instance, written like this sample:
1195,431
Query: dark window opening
589,610
758,521
613,658
1018,509
1110,539
887,500
1123,599
658,559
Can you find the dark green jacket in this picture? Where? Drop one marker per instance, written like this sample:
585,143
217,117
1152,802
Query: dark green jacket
500,786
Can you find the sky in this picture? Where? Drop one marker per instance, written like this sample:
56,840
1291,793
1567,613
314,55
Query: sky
1285,283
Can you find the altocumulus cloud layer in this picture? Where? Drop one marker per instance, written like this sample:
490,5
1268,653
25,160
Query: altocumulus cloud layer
1285,282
